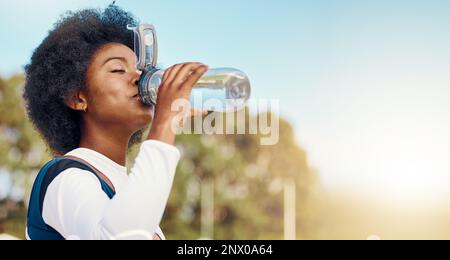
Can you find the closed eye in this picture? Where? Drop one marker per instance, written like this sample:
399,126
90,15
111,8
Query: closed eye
118,71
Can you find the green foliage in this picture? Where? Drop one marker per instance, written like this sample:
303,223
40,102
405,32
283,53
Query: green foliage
22,152
248,186
21,149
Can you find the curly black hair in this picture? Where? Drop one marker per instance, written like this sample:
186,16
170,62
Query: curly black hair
58,68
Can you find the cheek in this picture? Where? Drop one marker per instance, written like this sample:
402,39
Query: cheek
109,92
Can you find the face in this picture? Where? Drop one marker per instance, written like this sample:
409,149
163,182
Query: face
112,93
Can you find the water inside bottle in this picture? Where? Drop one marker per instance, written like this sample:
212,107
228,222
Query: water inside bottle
221,90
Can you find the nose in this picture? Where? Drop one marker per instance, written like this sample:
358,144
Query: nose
136,77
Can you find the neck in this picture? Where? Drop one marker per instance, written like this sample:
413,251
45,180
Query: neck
107,141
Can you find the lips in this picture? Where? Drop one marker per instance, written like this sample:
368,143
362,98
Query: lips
137,97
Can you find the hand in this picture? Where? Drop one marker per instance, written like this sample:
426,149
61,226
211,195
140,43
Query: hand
176,85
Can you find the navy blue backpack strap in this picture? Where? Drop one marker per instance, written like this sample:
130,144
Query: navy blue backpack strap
37,229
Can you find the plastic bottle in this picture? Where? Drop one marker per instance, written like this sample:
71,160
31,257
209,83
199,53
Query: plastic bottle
219,89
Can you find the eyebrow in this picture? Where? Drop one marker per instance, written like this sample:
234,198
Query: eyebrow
115,58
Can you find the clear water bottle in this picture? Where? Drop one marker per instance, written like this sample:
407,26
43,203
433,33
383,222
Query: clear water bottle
219,89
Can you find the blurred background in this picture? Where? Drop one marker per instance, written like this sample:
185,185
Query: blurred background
364,90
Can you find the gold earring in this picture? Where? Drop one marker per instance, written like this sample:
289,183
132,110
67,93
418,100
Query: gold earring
84,109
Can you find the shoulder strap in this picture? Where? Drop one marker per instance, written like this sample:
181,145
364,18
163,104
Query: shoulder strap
64,163
96,171
36,226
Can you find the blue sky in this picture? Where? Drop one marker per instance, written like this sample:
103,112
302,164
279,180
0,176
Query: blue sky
365,83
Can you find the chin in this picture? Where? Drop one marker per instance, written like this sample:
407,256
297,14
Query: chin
140,116
144,122
146,114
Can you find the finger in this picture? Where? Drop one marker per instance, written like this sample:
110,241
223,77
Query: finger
166,73
173,72
198,112
185,72
194,77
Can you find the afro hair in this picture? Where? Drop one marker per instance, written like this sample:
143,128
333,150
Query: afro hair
58,68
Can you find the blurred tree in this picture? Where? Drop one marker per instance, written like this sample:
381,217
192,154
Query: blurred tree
21,148
248,181
22,153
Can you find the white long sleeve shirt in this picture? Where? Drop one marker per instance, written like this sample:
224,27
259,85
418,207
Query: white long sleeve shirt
76,206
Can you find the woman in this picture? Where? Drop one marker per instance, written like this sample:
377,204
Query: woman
81,95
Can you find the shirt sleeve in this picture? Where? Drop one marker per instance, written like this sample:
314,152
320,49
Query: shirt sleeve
77,208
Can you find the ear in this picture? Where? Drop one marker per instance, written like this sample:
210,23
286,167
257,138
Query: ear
77,100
